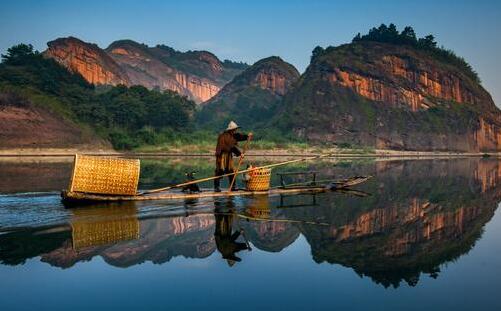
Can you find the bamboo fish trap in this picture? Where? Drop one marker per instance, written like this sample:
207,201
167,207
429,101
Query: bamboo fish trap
102,175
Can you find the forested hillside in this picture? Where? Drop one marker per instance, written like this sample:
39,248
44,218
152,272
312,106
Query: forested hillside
126,116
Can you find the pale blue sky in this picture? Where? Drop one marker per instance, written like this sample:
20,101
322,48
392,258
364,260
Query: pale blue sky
250,30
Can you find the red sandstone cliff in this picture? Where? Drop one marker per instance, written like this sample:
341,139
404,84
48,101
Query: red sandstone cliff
402,82
196,74
392,96
271,74
88,60
144,67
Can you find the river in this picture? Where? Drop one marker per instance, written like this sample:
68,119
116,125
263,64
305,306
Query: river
420,235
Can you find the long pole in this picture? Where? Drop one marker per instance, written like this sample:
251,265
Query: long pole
240,160
234,173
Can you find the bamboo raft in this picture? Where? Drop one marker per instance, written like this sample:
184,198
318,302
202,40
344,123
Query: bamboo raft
74,197
97,180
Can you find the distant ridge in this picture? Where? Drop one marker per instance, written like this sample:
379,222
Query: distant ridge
199,75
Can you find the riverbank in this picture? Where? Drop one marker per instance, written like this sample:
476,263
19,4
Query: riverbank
289,152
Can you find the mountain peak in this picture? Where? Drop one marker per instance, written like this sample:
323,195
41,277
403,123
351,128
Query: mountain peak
253,95
271,73
270,59
126,43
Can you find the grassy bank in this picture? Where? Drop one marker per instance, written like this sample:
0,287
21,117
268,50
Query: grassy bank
208,146
204,142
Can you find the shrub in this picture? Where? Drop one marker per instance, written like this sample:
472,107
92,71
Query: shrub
122,141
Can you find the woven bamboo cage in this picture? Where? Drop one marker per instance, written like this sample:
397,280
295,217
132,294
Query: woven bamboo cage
103,175
259,180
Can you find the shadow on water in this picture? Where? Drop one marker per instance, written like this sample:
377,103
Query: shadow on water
419,216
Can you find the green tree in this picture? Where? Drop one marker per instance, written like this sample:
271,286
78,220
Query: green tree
392,34
408,35
317,51
389,34
427,42
19,54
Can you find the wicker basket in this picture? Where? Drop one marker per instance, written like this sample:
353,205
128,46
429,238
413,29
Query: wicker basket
104,175
259,180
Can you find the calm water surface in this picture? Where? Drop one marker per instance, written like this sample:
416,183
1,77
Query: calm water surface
422,235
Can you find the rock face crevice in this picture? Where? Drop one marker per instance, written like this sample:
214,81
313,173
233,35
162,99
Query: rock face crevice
199,88
273,81
402,85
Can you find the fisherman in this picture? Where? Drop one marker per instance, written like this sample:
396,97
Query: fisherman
227,147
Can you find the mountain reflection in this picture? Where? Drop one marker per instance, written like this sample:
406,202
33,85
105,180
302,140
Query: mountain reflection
420,215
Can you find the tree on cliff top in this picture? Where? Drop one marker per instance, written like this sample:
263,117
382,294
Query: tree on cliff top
390,34
20,54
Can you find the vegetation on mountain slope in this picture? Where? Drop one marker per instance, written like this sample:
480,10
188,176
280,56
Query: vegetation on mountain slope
199,63
387,89
128,117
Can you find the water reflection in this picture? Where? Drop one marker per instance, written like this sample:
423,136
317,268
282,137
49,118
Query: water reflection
420,215
225,233
103,226
26,174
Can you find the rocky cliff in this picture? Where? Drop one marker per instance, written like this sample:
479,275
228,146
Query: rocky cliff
401,78
392,96
196,74
150,67
253,95
87,59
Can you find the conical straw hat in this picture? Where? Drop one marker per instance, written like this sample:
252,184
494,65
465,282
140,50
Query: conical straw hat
232,126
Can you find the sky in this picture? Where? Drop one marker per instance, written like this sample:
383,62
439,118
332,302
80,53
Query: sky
250,30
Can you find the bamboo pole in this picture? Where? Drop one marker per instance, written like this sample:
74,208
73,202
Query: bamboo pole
191,182
240,160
